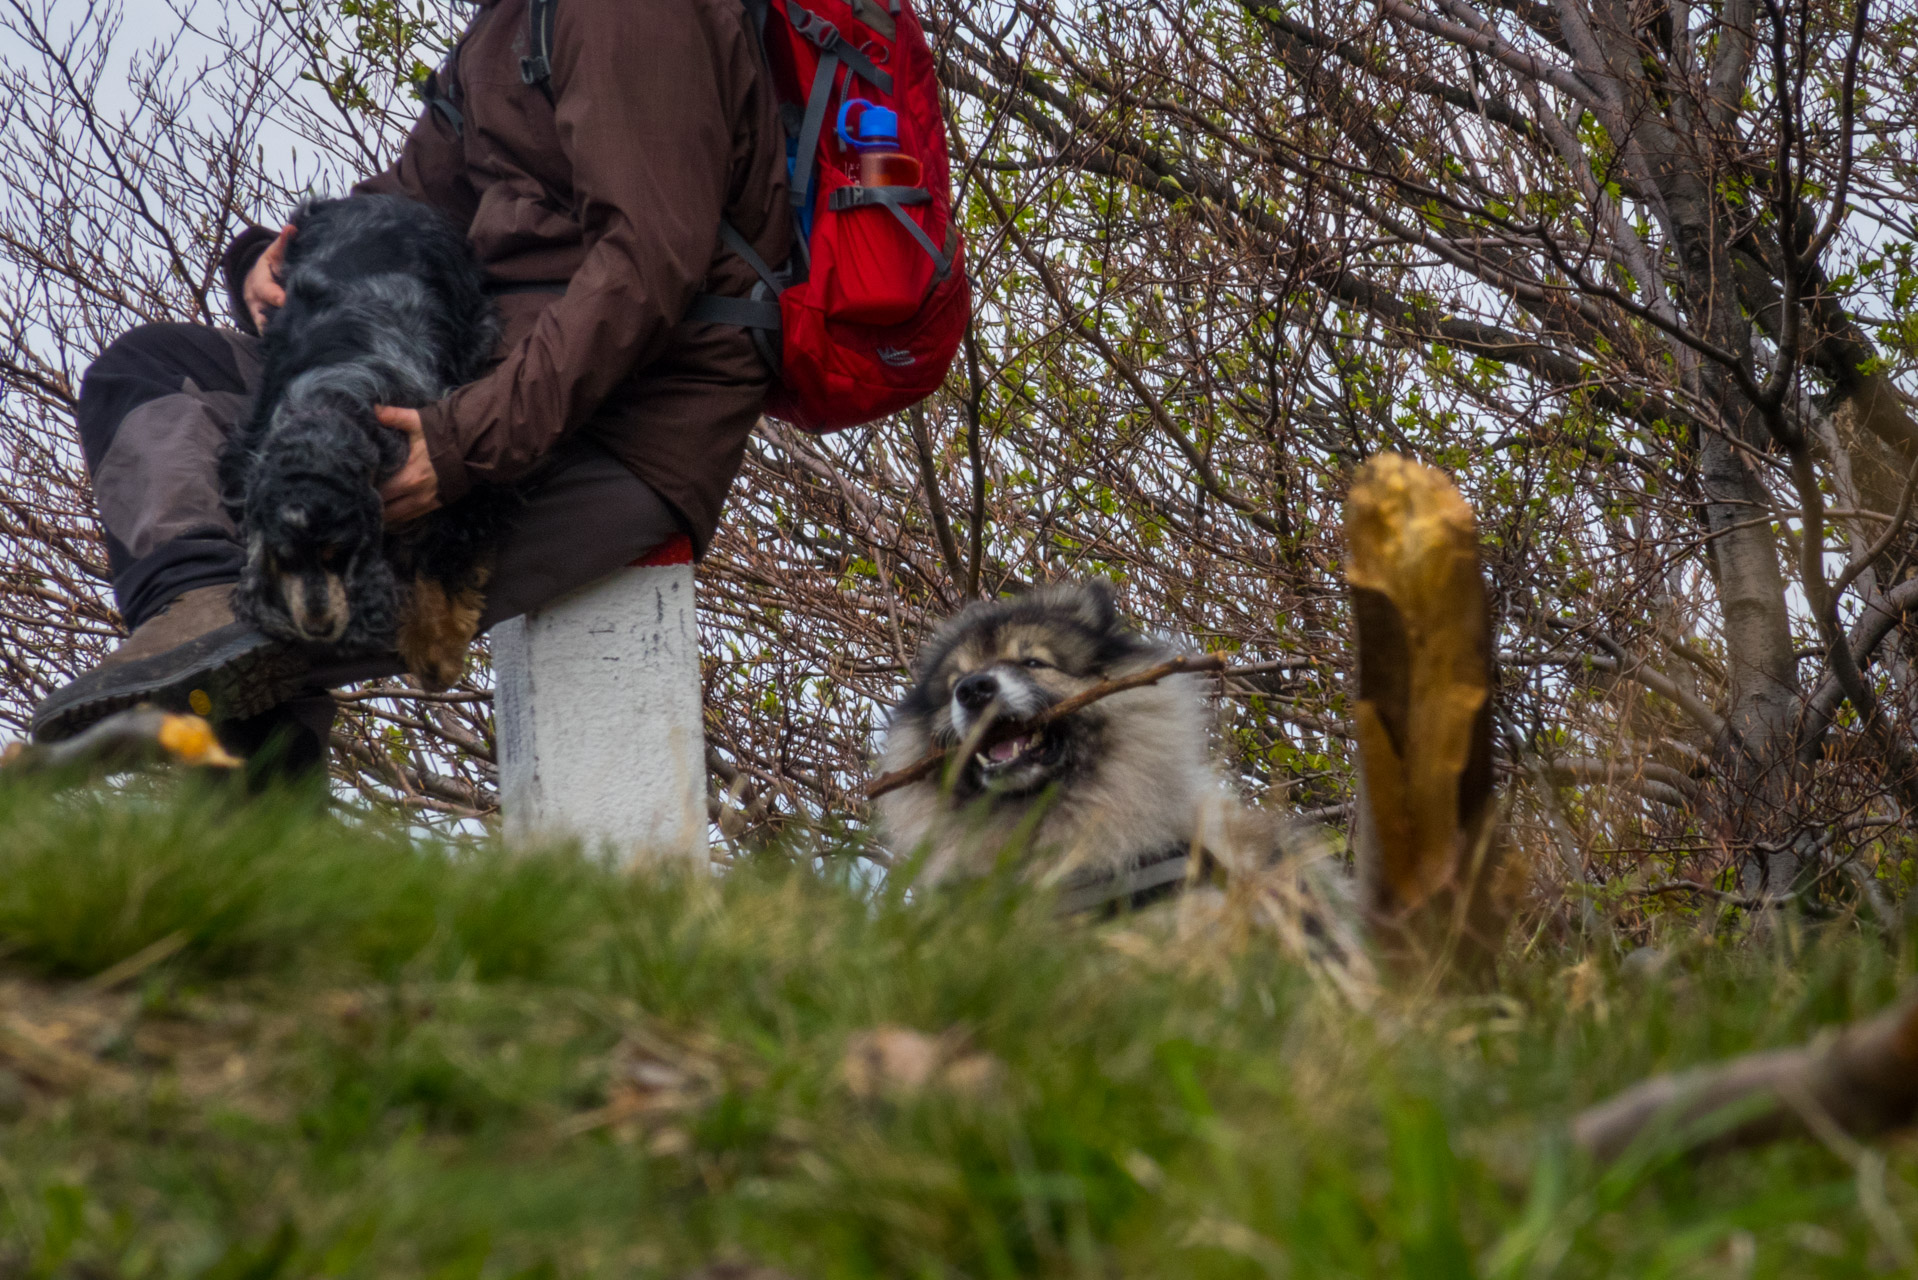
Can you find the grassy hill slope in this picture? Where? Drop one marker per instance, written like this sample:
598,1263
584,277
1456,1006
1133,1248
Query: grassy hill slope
250,1042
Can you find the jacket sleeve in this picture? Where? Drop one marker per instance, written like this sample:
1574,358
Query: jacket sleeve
643,98
236,264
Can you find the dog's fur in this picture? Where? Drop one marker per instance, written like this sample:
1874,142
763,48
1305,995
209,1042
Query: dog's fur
385,305
1127,779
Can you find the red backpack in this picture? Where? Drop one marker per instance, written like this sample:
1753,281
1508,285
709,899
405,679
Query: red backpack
866,318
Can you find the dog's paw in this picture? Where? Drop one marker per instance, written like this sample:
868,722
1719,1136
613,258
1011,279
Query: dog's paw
436,632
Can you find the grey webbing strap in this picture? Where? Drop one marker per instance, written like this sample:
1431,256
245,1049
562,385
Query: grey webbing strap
859,197
536,68
834,49
869,12
747,313
808,153
443,102
756,312
940,262
740,245
828,39
894,199
452,113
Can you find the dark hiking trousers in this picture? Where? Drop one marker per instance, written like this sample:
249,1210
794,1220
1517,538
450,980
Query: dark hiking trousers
155,410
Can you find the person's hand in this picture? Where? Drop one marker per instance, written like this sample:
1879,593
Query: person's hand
414,489
262,292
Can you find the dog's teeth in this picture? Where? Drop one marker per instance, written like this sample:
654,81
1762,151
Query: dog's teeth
1010,749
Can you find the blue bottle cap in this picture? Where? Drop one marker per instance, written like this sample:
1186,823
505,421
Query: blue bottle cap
878,126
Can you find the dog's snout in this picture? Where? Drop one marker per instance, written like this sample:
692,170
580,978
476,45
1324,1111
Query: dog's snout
316,604
976,691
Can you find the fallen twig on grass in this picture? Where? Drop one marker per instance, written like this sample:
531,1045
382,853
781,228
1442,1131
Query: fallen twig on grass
1766,902
134,965
36,1052
1864,1080
1717,895
133,739
930,763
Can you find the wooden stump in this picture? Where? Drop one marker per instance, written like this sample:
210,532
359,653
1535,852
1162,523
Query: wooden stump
1425,835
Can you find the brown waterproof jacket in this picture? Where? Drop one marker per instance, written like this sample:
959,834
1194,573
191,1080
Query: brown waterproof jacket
662,122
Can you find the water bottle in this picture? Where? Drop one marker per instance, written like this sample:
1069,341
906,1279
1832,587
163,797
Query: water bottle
873,134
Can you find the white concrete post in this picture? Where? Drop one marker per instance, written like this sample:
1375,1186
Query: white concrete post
597,708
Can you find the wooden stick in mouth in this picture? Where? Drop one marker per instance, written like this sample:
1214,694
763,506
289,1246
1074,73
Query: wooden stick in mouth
929,764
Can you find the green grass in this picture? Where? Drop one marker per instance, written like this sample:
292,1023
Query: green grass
368,1057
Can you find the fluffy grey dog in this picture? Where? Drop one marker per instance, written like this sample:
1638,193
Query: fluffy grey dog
385,305
1118,787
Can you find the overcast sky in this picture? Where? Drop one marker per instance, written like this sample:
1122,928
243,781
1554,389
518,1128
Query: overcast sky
142,24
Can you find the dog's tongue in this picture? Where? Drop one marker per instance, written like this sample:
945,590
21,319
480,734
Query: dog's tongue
1000,752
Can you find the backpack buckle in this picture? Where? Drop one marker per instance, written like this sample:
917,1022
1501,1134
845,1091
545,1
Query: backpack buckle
816,27
535,70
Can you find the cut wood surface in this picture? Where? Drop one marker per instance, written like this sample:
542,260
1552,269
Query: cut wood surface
1863,1081
1426,852
930,763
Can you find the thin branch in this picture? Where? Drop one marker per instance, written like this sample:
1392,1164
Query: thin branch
929,764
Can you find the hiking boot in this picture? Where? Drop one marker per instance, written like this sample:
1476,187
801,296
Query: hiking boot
192,656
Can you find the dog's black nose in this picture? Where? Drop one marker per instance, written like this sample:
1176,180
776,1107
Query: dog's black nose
976,691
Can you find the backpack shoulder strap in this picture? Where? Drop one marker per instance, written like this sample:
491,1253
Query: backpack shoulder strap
443,85
757,11
536,68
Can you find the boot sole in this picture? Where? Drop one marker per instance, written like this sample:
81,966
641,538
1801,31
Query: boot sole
229,674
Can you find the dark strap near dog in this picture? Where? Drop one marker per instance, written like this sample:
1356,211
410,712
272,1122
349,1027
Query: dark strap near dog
452,113
1144,882
440,88
501,288
536,68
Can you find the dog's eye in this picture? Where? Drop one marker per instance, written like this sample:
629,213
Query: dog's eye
1035,663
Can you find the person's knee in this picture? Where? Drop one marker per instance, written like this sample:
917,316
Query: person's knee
166,353
142,365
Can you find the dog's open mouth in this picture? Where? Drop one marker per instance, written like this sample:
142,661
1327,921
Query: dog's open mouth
1006,757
